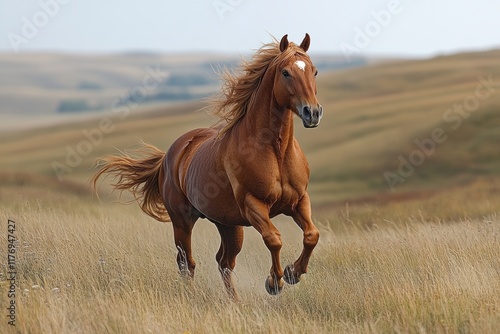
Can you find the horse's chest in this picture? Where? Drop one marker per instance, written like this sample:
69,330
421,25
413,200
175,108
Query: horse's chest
288,188
278,184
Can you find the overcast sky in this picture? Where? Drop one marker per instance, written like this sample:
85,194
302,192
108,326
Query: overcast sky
372,27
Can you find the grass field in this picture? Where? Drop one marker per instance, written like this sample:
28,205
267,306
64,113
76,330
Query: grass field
420,259
85,267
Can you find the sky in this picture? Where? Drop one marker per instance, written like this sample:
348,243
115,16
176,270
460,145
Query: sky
409,28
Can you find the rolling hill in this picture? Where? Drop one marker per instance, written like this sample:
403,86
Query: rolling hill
44,88
390,131
405,185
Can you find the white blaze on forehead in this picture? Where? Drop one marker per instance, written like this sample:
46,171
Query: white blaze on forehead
300,64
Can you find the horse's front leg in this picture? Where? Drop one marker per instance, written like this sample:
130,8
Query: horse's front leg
257,214
302,216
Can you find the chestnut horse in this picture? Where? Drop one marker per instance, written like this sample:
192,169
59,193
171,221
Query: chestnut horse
240,174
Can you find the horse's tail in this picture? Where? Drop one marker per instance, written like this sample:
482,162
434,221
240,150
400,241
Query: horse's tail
139,175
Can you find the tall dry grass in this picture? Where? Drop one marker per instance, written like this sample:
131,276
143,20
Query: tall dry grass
85,267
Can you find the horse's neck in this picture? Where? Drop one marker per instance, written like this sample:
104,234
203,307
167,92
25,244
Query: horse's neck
270,125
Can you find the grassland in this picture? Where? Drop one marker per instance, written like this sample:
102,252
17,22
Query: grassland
85,267
420,259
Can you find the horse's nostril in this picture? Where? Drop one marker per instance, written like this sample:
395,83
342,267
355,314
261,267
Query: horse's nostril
307,112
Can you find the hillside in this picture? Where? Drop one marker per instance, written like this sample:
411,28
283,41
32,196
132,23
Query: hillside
48,86
44,88
419,256
373,117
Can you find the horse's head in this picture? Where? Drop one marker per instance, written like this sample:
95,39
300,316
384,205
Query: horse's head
295,82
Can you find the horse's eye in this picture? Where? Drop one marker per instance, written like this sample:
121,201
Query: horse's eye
285,73
316,73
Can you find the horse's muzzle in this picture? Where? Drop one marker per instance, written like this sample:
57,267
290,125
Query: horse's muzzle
311,116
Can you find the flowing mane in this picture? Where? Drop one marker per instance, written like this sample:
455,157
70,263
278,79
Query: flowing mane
239,88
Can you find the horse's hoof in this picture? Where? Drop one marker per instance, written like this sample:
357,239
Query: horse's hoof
185,274
273,290
289,276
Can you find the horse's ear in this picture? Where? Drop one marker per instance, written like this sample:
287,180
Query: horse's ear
305,43
284,43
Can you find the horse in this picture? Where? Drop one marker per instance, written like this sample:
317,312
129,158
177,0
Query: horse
243,171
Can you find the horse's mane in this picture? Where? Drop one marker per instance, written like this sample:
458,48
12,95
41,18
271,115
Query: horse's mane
239,88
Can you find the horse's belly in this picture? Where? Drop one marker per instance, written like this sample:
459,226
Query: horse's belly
208,189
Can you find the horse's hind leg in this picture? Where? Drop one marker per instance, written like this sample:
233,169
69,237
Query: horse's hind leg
183,226
230,246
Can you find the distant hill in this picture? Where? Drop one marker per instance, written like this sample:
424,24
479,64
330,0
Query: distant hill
390,130
381,120
33,85
41,87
